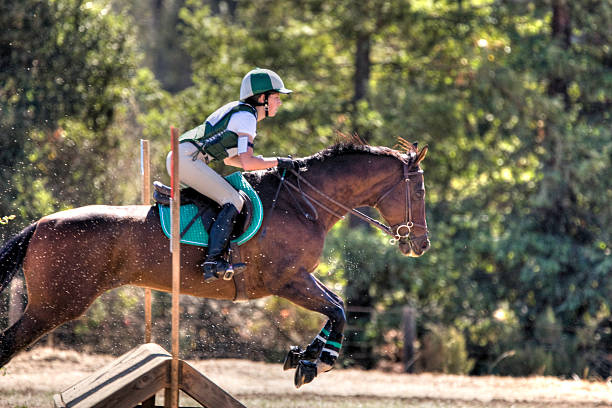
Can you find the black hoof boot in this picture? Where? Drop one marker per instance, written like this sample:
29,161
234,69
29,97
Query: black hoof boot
293,358
306,372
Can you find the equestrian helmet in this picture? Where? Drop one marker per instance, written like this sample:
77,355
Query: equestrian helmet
259,81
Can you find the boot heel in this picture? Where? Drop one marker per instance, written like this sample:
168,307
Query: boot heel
210,272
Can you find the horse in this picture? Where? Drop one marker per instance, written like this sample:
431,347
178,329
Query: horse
71,257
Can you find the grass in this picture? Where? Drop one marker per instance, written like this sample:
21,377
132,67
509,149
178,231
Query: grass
31,379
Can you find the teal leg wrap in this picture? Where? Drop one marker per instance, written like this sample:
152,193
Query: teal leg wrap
332,347
313,351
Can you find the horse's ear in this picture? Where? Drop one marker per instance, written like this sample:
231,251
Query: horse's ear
422,154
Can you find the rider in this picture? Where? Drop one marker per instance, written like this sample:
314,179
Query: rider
228,134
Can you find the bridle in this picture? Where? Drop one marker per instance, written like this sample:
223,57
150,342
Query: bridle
399,232
396,230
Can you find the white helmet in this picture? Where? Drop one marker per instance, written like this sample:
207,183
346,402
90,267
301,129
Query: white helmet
259,81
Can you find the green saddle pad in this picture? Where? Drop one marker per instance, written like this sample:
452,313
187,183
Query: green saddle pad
197,235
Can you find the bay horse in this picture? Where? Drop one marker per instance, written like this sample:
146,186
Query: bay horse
71,257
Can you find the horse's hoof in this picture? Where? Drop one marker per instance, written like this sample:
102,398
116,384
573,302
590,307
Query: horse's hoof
292,358
305,373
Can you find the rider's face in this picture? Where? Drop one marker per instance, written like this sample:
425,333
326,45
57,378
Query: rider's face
274,102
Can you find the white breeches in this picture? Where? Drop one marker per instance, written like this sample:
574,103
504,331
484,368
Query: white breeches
197,175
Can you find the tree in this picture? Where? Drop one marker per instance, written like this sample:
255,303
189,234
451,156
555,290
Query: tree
62,64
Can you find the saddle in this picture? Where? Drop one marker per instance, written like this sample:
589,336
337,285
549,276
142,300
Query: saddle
207,208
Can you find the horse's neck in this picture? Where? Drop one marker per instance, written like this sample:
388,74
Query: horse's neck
355,181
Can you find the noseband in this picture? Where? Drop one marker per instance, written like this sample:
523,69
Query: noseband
398,232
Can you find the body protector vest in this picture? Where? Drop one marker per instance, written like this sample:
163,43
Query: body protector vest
212,137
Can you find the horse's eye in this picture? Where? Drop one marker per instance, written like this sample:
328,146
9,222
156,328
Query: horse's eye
419,194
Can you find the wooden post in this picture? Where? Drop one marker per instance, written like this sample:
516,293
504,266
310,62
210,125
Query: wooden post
409,323
145,198
176,267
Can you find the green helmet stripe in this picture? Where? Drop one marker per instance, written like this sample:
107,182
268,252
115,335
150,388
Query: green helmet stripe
260,82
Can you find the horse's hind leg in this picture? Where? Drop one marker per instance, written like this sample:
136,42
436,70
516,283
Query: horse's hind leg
38,319
25,331
61,285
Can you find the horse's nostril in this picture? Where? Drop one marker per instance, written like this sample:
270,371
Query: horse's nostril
425,245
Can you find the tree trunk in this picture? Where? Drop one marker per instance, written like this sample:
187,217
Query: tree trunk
362,67
361,79
359,303
409,327
561,34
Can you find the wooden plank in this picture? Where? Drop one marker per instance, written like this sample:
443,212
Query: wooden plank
176,266
58,402
167,397
145,199
132,378
150,403
136,377
204,391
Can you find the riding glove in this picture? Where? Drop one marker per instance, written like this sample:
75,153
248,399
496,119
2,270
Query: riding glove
286,163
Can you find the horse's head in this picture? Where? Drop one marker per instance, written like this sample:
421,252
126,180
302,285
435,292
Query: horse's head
403,206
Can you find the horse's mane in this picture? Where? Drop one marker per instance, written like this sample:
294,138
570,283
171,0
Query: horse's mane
343,148
407,155
354,145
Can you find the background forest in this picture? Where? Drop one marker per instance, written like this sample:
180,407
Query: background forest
513,97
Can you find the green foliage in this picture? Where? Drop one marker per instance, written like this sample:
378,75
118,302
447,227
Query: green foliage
118,314
444,350
4,220
517,179
64,67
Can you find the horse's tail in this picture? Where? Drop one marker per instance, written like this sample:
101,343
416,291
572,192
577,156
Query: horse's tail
12,255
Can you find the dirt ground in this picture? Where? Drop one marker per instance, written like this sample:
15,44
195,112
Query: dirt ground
31,379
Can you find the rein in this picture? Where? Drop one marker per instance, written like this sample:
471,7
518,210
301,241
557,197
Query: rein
304,197
393,231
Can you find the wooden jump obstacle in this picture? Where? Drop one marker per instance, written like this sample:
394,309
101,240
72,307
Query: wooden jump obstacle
134,379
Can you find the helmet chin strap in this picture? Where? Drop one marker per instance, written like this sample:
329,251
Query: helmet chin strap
265,104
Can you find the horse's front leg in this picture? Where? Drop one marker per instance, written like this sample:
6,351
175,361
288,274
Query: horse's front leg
311,352
308,292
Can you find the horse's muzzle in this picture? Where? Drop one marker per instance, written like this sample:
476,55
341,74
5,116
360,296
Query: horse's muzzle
415,247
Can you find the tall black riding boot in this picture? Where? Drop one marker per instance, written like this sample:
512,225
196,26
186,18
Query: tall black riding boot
215,265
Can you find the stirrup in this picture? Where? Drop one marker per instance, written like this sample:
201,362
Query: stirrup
211,275
229,273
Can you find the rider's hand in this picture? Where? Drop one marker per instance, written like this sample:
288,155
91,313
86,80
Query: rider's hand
286,163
